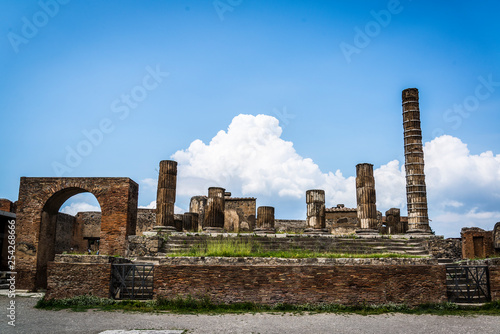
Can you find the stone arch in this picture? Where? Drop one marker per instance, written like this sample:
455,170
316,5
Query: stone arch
39,203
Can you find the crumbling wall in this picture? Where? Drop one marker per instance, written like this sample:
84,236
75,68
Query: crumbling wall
239,214
290,225
440,248
476,243
146,219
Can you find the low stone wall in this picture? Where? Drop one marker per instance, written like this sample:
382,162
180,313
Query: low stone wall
444,248
139,245
300,282
76,275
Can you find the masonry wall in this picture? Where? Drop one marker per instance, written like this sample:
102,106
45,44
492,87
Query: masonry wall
477,243
299,284
67,234
239,214
290,225
6,205
66,280
146,220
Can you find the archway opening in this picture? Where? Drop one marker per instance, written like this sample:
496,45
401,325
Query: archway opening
66,228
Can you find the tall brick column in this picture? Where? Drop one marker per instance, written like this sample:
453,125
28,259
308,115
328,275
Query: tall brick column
366,199
416,192
265,220
165,198
315,200
214,212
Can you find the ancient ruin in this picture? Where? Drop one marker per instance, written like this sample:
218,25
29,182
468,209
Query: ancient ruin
121,234
416,193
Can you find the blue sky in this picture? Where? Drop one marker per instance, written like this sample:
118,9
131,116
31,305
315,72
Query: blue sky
125,84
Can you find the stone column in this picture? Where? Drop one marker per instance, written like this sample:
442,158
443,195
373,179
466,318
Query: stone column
165,197
265,220
190,222
416,192
198,205
393,221
315,200
214,211
366,199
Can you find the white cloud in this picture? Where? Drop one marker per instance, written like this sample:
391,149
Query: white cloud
76,207
152,205
149,183
251,158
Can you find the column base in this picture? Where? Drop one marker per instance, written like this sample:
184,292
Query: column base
419,231
210,229
264,231
316,231
367,231
164,229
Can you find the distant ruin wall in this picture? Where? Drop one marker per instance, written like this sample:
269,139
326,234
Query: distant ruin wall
239,214
477,243
290,225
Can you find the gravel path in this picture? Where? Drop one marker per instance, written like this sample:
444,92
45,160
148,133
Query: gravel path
30,320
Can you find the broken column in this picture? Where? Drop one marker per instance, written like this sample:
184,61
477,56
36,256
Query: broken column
416,193
265,220
366,199
198,205
315,200
214,211
393,221
165,198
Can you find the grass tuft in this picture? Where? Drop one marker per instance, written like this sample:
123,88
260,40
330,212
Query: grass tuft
248,248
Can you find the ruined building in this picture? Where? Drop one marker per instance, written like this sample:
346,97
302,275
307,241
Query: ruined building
42,232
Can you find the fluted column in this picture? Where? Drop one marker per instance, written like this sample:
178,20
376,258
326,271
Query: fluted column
366,198
265,220
416,191
165,198
315,199
214,212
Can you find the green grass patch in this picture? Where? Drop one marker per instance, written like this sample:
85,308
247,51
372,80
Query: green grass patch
204,305
229,247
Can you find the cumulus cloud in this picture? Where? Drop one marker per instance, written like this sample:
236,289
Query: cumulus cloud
76,207
251,158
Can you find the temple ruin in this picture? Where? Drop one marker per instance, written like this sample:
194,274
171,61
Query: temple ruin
121,234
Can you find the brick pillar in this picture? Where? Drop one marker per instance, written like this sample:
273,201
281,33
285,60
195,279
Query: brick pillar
165,198
214,211
315,200
366,199
416,192
265,220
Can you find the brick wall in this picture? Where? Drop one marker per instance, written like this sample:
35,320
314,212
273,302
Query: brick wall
477,243
6,205
299,284
74,279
